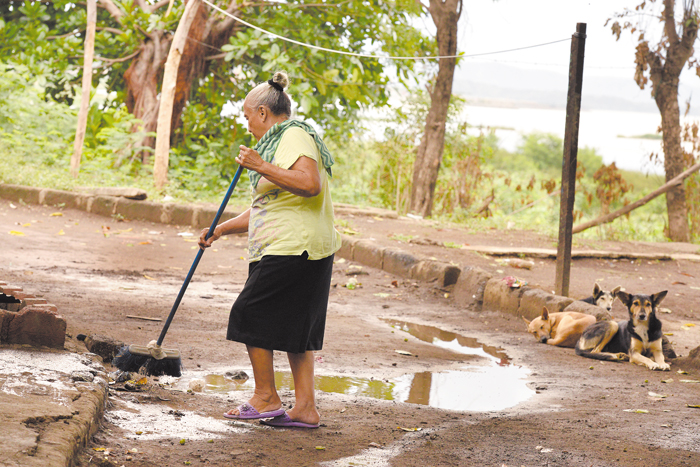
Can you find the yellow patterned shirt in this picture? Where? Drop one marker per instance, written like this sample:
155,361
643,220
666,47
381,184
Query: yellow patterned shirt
282,223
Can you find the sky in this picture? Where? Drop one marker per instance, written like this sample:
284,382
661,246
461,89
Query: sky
488,26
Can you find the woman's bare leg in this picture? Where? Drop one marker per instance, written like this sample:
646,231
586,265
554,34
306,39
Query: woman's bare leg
304,409
265,397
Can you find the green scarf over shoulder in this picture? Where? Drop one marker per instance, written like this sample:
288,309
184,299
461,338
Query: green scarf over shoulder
267,146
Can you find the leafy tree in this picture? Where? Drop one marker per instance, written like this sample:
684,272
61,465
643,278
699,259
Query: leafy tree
662,62
223,58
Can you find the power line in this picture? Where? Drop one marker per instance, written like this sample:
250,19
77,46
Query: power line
354,54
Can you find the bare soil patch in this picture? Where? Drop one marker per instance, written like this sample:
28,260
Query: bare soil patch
581,412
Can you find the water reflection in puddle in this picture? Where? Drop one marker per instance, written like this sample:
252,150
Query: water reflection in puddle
451,341
495,386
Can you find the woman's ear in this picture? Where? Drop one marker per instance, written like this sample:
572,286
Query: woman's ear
262,111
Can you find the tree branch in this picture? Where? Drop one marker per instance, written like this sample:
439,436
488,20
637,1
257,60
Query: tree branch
79,31
305,5
159,4
73,33
118,60
676,181
113,10
112,30
670,21
215,57
227,23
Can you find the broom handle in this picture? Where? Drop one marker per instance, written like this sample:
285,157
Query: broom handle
199,255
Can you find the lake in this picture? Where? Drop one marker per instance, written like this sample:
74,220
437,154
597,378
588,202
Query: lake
599,129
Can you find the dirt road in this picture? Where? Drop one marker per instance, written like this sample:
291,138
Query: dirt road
465,389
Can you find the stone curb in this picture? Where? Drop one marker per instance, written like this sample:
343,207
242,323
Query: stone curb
473,288
113,206
398,262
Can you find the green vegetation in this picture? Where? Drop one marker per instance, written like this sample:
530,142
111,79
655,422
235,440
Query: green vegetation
481,186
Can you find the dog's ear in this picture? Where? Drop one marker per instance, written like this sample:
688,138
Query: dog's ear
615,291
596,290
545,313
526,321
657,297
625,298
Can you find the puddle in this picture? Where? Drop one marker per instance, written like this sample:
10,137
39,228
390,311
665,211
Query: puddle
451,341
494,385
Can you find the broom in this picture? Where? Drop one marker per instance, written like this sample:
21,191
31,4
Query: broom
152,358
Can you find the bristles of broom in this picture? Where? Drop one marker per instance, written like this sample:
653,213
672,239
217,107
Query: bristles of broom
133,358
127,361
166,366
138,360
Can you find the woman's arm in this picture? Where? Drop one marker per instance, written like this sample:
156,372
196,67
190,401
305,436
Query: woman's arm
301,179
238,224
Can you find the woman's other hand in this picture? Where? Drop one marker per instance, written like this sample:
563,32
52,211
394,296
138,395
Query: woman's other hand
205,242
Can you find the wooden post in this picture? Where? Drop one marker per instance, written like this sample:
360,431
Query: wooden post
167,95
568,171
87,87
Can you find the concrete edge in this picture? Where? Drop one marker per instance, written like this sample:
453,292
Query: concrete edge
473,288
66,438
116,207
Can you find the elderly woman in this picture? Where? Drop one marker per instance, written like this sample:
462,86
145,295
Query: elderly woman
291,244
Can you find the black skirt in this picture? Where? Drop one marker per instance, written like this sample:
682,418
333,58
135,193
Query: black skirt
283,304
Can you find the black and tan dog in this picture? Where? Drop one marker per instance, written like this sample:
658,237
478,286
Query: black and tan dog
602,298
631,339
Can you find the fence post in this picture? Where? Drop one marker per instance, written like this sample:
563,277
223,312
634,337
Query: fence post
568,171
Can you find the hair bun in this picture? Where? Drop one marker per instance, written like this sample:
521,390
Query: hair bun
281,79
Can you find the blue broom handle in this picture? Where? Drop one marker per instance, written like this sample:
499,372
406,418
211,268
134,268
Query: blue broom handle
199,255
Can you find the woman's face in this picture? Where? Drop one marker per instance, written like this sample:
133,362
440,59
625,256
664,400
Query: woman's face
256,118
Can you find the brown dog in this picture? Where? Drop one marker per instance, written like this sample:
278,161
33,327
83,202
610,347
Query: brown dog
561,329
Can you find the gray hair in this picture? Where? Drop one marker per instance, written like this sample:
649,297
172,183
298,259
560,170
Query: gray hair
271,94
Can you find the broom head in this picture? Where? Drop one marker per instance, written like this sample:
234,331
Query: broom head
134,357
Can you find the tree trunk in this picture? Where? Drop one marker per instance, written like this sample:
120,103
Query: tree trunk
445,14
87,88
142,78
145,71
665,76
171,78
667,101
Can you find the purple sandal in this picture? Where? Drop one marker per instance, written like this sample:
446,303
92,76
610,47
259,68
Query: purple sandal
248,412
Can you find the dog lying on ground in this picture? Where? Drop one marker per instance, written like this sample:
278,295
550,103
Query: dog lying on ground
602,298
561,329
631,339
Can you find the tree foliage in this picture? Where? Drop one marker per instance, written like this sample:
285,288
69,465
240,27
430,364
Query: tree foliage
222,61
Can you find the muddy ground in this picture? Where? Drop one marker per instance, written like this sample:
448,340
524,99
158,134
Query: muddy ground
510,400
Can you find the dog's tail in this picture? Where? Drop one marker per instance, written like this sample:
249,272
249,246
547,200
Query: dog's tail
608,357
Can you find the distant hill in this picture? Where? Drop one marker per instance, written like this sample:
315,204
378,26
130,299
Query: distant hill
504,85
